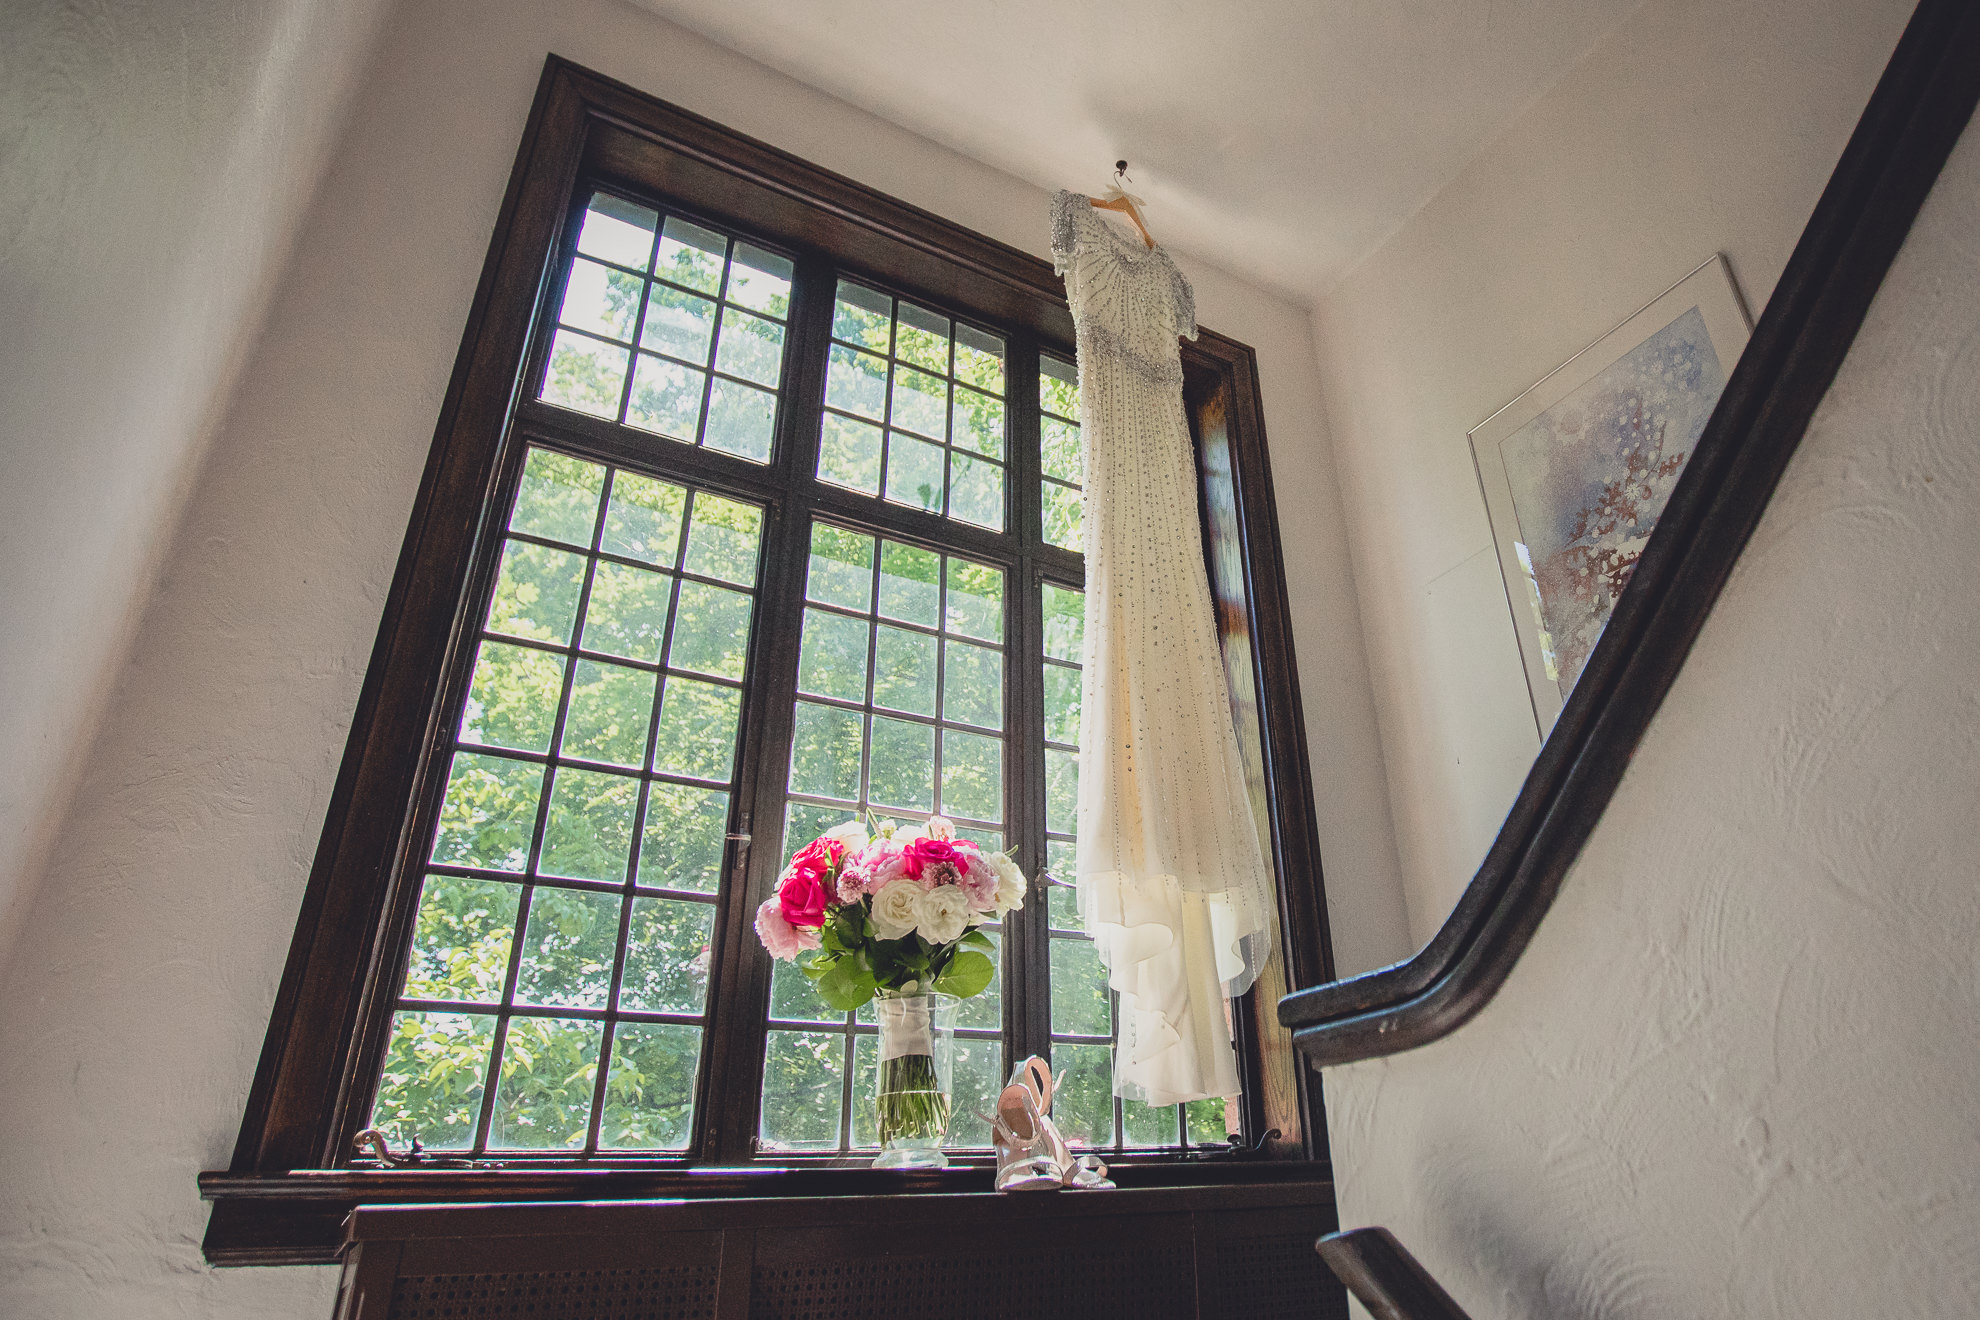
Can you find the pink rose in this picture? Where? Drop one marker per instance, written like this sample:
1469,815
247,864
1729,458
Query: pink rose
924,853
783,940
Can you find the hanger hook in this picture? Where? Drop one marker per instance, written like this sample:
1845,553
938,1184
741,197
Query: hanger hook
1120,171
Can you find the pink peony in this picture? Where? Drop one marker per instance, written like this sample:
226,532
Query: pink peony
782,939
979,881
879,862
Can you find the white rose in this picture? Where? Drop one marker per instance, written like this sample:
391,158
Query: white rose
939,827
894,914
852,834
1011,884
942,913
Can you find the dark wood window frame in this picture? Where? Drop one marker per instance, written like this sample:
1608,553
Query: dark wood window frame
292,1178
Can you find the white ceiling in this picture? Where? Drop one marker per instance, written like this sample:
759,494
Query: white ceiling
1282,141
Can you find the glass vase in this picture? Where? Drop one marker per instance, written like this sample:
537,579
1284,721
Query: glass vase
913,1083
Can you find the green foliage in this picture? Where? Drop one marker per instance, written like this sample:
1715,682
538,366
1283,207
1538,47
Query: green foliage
435,1067
969,973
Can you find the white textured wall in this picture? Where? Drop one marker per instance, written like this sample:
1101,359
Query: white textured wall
1734,1075
1694,128
155,161
131,1018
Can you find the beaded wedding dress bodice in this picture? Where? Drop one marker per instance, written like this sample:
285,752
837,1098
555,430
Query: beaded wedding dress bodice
1173,884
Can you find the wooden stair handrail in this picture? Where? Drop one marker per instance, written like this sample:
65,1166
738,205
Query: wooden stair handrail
1913,119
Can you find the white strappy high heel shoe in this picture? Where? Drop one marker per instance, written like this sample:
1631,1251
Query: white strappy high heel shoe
1025,1162
1032,1082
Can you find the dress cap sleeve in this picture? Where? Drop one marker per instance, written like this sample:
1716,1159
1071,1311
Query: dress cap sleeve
1065,238
1185,304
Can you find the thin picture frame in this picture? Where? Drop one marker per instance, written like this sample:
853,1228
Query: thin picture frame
1549,667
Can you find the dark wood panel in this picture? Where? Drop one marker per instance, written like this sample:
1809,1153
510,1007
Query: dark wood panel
1130,1255
1921,105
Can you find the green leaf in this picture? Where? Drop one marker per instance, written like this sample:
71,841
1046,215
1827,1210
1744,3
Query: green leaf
975,939
848,985
969,974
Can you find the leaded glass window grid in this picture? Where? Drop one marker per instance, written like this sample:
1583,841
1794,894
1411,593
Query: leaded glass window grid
787,487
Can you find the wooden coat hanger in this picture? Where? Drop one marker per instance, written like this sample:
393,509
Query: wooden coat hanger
1124,204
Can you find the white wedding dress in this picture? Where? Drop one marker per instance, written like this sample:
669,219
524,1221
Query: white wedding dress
1173,885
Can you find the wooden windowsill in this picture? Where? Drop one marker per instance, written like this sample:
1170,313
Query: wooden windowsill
299,1217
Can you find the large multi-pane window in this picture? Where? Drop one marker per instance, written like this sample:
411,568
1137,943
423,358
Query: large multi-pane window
748,600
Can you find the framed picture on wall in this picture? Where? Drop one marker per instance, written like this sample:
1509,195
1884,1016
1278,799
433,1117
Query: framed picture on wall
1576,471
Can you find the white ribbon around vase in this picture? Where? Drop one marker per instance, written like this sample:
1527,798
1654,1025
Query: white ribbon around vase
907,1027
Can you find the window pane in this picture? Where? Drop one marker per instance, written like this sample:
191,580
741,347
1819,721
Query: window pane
691,255
543,1100
558,499
922,337
643,520
667,956
986,1010
904,671
760,281
513,702
697,734
903,770
489,813
976,491
711,630
1145,1125
976,601
1080,1004
1060,452
1058,387
649,1093
825,752
585,374
1083,1103
807,821
803,1096
978,423
921,403
792,998
684,838
460,948
601,300
856,382
1063,509
742,420
914,472
862,316
1209,1121
588,833
1061,704
979,1077
1061,791
910,583
610,711
849,454
678,323
537,594
618,231
627,614
1062,905
841,568
1060,860
973,685
722,544
1065,622
832,661
666,398
435,1069
751,347
980,359
972,775
568,949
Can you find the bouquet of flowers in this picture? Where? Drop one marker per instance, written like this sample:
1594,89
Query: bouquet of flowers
894,915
